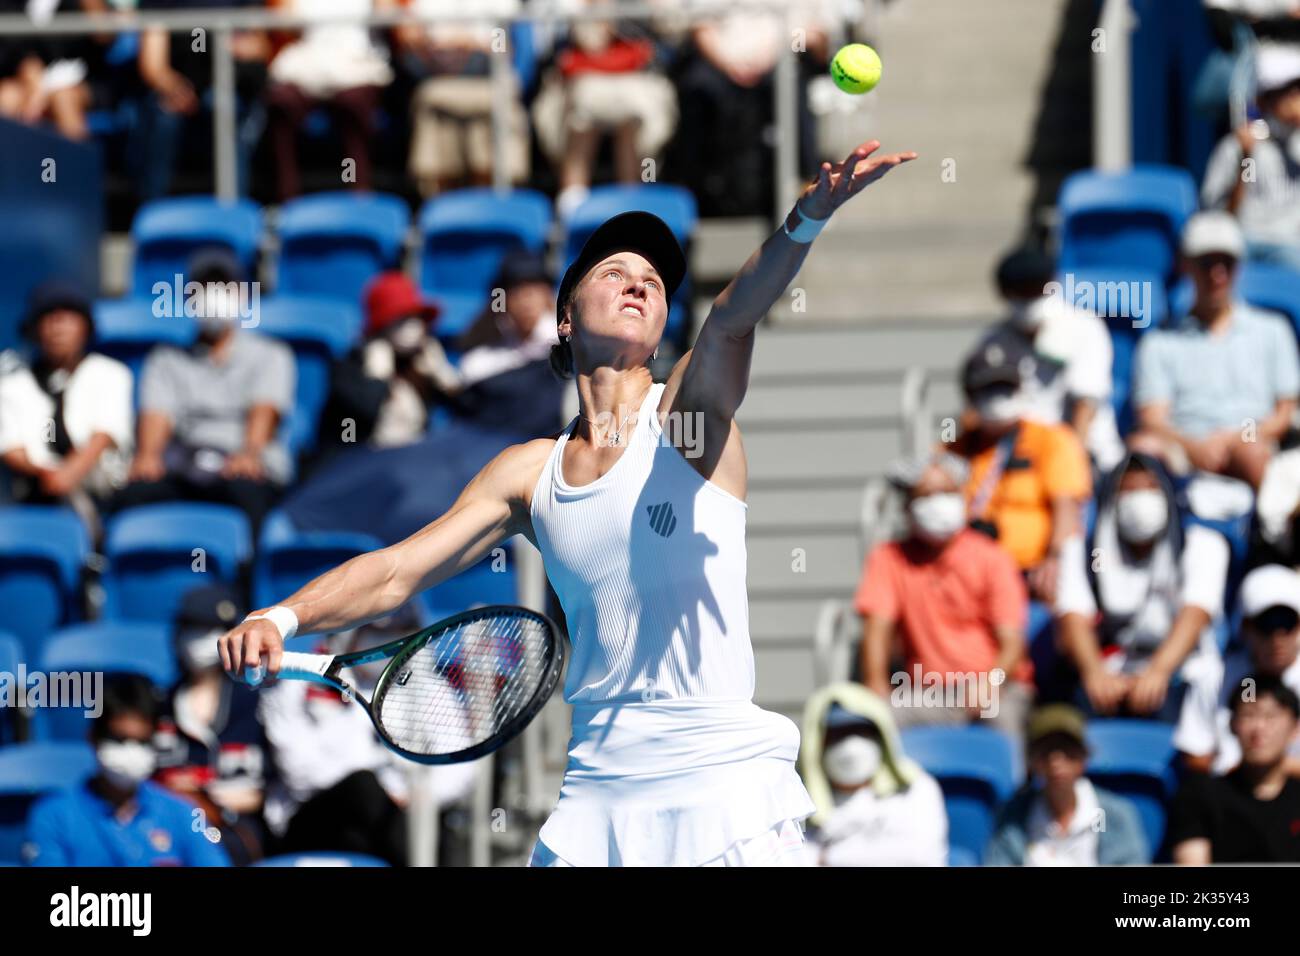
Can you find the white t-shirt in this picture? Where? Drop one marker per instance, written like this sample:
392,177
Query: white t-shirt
97,398
486,361
907,828
1202,573
1203,725
1050,844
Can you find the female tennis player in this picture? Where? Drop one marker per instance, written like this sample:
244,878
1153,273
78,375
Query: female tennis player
638,509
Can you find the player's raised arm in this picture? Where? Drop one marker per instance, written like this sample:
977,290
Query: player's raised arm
491,508
713,376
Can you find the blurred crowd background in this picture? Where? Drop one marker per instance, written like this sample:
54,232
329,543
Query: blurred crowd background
1076,632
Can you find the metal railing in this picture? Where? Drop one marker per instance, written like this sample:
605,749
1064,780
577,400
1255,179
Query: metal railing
221,23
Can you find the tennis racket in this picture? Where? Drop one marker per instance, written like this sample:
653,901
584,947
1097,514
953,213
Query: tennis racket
455,691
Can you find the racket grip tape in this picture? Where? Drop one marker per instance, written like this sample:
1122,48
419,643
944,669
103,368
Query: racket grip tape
293,666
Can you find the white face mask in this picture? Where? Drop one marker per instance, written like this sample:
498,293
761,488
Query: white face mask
998,409
1029,314
198,650
125,763
853,761
938,517
407,336
1141,515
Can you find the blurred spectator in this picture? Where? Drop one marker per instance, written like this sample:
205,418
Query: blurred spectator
724,75
334,785
952,596
518,325
334,65
118,817
604,80
1251,815
210,746
1141,595
1277,507
451,110
1270,628
176,69
381,394
66,417
1218,389
1072,375
54,78
875,807
1028,480
209,414
1059,818
1254,172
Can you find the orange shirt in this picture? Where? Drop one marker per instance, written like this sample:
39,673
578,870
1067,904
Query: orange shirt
1047,462
947,605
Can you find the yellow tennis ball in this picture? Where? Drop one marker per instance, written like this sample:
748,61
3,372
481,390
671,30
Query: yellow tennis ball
856,68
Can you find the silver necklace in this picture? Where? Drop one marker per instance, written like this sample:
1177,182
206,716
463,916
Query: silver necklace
618,432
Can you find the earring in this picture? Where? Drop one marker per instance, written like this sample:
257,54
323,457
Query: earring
655,355
564,339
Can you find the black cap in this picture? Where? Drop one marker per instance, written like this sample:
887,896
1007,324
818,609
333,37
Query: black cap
1002,362
522,266
1026,266
52,295
211,606
214,264
640,232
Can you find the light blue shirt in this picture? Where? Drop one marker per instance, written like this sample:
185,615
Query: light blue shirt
1218,381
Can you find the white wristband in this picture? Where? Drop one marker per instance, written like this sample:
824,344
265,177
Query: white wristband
807,229
285,621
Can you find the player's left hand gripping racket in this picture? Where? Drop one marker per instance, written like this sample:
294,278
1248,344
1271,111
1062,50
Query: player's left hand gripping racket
455,691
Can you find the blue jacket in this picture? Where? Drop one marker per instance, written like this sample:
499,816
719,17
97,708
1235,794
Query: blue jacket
1120,842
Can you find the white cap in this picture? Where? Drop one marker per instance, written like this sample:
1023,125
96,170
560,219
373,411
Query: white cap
1270,586
1276,66
1213,231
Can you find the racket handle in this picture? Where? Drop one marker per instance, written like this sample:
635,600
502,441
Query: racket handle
293,666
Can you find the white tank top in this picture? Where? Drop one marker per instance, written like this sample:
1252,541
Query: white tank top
648,562
670,761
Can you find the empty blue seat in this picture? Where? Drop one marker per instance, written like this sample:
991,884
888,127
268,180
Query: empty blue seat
319,330
42,551
1135,759
473,587
108,648
976,768
29,770
464,235
1271,287
158,552
11,655
321,858
332,244
1131,302
287,559
673,204
1131,220
167,232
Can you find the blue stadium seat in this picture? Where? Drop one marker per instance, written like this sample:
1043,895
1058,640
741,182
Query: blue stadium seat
321,858
673,204
29,770
287,559
1134,758
332,244
1106,291
42,551
319,330
464,235
11,655
1130,220
151,559
108,648
127,330
167,232
1271,287
976,768
473,587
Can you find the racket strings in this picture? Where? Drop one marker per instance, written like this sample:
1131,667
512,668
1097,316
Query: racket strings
466,684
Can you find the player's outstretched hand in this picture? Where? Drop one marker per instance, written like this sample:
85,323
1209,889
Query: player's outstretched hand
836,183
243,647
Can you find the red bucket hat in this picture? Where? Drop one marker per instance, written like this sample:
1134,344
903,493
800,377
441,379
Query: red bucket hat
392,296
